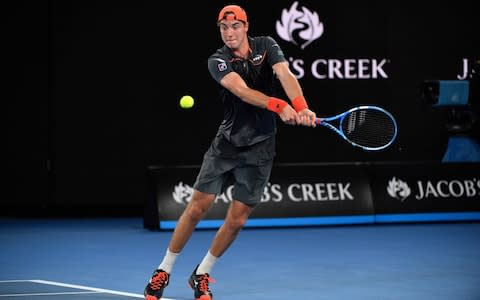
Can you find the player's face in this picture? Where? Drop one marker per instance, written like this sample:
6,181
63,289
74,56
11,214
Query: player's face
233,33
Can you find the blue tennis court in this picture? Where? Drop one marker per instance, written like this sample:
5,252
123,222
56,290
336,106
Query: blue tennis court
112,258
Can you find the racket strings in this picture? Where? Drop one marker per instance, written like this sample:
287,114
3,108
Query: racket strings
369,128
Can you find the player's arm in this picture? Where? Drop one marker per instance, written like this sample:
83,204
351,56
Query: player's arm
235,84
292,88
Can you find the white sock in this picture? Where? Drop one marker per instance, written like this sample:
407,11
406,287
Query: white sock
168,261
207,264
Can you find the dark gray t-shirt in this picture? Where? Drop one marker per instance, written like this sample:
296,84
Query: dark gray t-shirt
245,124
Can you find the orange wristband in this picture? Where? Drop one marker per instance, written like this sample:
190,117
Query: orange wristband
299,103
276,105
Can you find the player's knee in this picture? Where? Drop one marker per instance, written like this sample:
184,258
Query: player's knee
196,212
236,224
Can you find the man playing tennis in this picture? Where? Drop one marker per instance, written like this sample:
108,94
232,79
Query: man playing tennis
243,149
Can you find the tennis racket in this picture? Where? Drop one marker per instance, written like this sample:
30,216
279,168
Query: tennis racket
371,128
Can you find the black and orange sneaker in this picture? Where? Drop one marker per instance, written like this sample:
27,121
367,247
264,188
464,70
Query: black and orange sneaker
156,284
200,285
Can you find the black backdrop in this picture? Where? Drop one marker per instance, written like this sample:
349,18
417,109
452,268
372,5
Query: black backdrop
93,88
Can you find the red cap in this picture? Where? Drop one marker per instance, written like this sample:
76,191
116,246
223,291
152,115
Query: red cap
232,12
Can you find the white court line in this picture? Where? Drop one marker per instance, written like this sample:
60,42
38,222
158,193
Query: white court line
75,286
48,294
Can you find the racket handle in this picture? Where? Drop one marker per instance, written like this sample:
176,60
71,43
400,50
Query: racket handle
318,121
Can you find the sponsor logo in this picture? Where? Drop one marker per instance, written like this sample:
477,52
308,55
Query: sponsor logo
330,191
467,70
295,192
257,58
348,68
222,66
182,193
398,189
300,27
434,189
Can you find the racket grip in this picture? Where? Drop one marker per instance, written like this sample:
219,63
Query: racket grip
318,121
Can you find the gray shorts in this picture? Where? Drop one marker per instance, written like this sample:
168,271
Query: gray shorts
246,168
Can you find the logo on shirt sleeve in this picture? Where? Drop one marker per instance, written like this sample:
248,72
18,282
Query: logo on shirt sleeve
222,66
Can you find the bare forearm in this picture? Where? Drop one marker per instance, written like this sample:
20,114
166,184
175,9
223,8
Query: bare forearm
291,86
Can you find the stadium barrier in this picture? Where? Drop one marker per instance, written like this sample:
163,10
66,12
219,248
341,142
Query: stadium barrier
331,194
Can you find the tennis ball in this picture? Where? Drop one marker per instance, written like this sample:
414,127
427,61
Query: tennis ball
186,101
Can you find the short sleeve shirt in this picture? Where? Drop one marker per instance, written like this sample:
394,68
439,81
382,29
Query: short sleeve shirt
245,124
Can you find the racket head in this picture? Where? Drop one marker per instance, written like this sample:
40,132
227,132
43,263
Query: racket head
369,127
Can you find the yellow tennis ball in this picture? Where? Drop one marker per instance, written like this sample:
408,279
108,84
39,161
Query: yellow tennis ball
186,101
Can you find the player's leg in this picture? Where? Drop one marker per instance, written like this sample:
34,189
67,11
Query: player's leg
193,213
250,182
235,219
209,182
199,204
237,216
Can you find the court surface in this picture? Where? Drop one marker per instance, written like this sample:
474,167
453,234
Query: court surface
112,258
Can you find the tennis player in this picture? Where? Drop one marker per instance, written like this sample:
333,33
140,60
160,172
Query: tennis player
247,70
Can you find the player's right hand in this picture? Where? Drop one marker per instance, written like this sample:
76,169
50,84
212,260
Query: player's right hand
308,117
